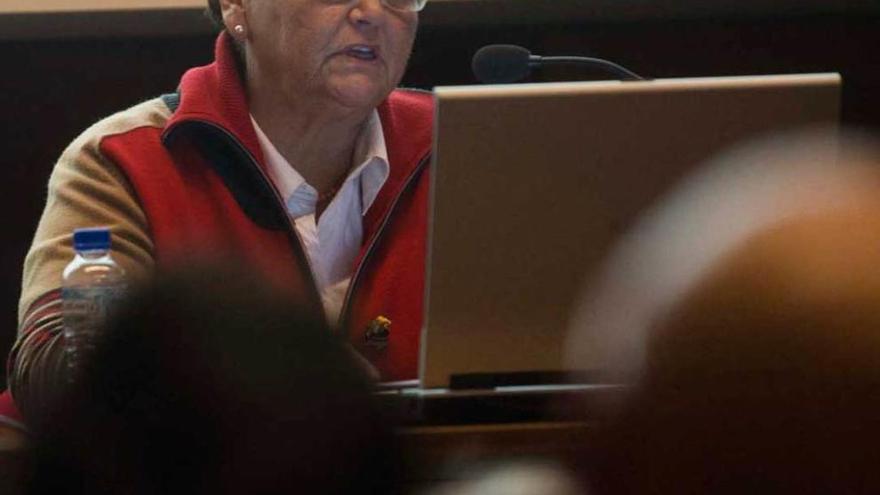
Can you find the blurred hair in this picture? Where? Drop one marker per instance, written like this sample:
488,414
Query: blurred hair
206,383
749,300
515,477
765,376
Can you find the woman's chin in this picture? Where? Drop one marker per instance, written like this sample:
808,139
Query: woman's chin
359,92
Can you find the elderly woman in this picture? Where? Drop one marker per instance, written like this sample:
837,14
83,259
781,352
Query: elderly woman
291,155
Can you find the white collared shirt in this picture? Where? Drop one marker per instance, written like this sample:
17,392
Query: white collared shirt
333,242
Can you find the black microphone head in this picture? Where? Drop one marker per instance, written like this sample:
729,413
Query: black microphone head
501,63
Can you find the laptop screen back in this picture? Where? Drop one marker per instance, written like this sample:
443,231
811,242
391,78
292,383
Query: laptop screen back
532,183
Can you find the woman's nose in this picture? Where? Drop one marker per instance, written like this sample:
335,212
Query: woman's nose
368,12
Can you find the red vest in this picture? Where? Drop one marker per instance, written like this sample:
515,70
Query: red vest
202,185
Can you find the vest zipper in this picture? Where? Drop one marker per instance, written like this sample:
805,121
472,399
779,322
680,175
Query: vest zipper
292,235
344,314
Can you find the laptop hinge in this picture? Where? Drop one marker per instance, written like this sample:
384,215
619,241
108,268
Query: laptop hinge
466,381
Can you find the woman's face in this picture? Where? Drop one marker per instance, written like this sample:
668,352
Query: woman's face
352,52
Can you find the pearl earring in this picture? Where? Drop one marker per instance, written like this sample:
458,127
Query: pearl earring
239,29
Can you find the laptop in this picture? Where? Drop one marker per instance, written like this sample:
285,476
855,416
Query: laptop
533,183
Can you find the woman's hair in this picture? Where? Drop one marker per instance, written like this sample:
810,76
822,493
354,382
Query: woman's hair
213,13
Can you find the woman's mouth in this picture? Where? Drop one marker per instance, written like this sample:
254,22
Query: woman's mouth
361,52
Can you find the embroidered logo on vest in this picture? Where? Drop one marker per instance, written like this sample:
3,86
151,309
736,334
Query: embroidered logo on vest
377,332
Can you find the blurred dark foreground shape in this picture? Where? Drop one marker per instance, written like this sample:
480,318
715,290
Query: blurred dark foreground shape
746,310
207,383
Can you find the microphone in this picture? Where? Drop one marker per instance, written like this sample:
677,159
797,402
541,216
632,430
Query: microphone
495,64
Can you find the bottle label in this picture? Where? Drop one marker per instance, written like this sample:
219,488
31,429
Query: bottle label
93,303
85,311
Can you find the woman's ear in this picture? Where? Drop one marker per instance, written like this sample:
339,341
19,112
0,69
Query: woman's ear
234,18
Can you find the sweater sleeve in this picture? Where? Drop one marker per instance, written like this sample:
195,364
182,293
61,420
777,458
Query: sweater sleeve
85,190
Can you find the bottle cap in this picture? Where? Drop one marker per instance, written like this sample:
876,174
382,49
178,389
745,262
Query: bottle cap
91,239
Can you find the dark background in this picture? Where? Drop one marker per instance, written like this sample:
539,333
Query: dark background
55,85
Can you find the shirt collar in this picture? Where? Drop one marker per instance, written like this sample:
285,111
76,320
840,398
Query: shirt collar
371,153
372,170
281,173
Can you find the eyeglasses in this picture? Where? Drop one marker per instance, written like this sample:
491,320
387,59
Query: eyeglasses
405,5
399,5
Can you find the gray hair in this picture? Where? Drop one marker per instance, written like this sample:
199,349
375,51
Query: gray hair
213,13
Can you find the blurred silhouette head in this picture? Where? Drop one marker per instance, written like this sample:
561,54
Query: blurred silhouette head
746,311
206,383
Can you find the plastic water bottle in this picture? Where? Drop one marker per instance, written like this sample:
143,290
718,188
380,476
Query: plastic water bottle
91,286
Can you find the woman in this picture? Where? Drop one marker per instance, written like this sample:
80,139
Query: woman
292,155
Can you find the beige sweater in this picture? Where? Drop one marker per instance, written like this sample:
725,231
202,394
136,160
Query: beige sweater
85,190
